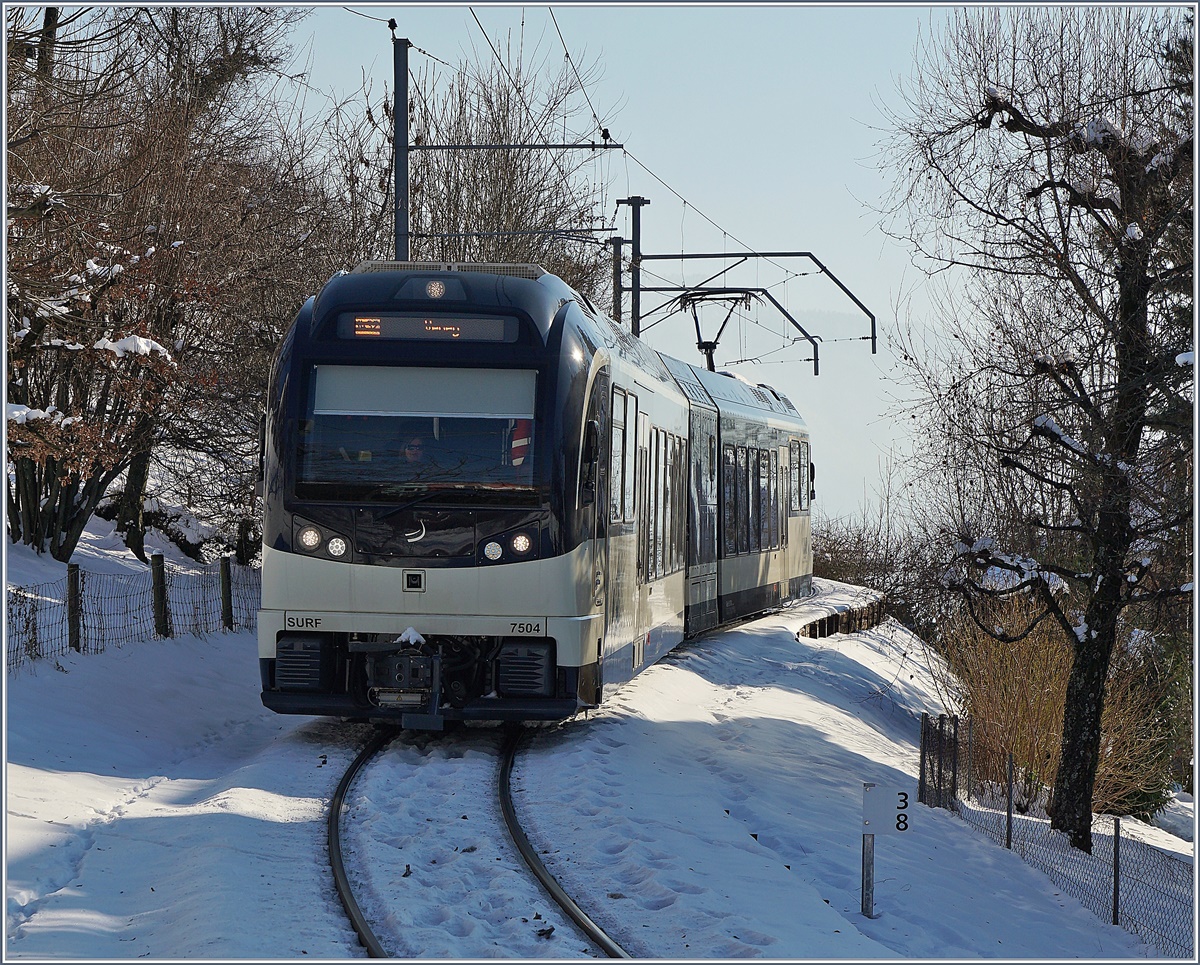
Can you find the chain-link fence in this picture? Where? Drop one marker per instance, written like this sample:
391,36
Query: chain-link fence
1145,890
87,612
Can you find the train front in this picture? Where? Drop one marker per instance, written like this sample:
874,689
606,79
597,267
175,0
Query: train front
426,532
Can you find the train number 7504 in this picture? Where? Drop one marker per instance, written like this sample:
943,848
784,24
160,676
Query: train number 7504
525,628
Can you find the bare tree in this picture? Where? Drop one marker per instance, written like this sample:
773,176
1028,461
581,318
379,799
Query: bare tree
155,205
1045,158
485,205
74,391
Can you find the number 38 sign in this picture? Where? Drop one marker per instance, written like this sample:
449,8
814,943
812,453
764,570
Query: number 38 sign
885,809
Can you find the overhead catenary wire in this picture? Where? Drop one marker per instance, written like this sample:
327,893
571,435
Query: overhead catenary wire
521,97
727,235
600,128
724,232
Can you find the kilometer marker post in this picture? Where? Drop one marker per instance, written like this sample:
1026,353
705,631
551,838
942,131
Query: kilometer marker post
885,811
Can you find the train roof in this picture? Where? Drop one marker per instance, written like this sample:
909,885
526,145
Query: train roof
724,390
530,271
728,389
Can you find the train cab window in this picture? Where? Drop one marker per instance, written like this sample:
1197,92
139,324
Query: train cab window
729,515
378,430
617,476
794,477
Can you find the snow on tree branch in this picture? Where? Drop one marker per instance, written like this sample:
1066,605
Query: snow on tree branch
133,345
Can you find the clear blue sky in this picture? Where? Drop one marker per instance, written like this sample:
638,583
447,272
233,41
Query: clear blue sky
766,119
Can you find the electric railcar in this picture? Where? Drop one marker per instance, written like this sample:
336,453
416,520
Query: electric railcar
485,500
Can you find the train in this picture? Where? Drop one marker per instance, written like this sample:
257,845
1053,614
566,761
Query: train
485,500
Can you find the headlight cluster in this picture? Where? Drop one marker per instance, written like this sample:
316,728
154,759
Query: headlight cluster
311,539
515,545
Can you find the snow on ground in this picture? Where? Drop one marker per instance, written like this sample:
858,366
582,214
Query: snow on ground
711,809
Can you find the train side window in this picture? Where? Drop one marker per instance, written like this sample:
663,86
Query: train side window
773,475
631,410
764,499
680,502
643,476
743,487
794,478
668,500
616,488
755,502
783,498
681,476
804,482
659,501
652,501
729,515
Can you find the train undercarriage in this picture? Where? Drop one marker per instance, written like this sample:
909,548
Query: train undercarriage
422,682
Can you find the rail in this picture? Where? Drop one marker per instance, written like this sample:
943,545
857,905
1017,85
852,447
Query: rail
594,932
341,880
358,921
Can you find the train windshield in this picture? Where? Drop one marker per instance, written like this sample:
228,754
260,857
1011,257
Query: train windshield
381,430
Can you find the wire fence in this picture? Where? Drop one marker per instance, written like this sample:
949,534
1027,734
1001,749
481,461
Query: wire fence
1145,890
87,612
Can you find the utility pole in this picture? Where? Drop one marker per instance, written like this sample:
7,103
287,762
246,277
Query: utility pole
616,306
400,139
402,148
635,265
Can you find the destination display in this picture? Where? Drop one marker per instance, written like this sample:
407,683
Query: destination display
435,328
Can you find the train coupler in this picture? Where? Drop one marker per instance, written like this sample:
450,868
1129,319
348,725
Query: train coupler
414,687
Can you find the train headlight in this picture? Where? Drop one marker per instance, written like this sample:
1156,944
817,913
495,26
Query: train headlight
435,289
310,537
493,550
521,544
337,547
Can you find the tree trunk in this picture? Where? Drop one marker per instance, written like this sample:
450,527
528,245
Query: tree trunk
131,521
1076,779
1072,799
244,547
46,43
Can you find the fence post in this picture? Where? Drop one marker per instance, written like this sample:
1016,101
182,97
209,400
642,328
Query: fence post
954,766
970,752
226,594
921,780
1116,870
73,608
941,761
1008,826
158,578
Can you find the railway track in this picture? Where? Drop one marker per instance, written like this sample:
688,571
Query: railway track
825,621
359,920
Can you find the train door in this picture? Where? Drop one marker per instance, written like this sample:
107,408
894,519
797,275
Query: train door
621,607
596,457
700,612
